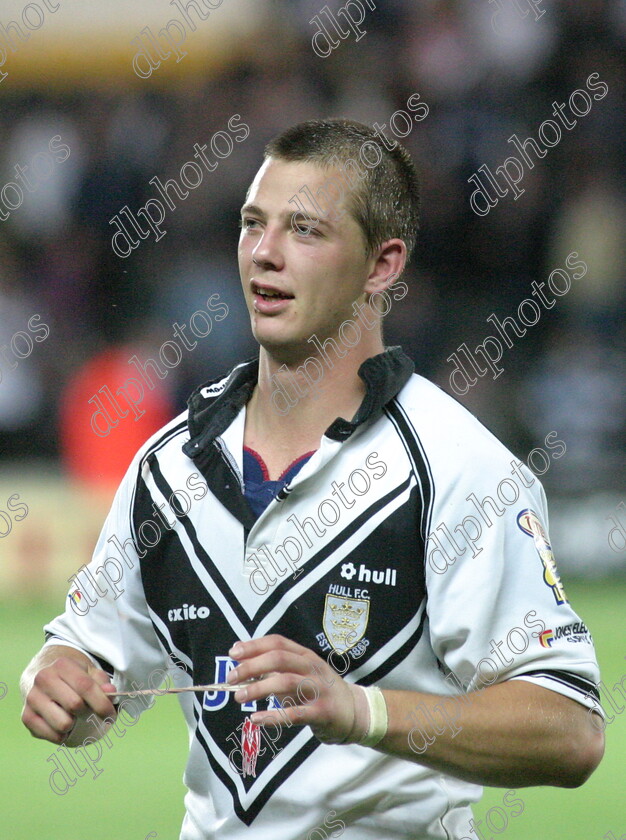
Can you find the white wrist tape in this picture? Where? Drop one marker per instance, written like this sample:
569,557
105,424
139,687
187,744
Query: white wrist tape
379,719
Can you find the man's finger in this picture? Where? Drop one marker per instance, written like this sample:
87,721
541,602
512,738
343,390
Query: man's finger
279,661
277,684
90,687
69,686
101,677
64,690
287,715
58,717
99,702
254,647
40,728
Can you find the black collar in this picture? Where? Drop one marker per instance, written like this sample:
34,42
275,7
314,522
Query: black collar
210,414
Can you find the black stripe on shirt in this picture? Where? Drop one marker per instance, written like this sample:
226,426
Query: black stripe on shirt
343,536
165,438
396,658
201,553
573,681
246,815
417,456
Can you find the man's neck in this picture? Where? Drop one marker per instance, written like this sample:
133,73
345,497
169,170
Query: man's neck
305,403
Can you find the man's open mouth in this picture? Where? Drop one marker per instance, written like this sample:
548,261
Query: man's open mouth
270,293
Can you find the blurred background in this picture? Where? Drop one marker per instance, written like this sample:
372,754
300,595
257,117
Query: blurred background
73,312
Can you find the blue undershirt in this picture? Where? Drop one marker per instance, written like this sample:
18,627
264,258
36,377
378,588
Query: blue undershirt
258,489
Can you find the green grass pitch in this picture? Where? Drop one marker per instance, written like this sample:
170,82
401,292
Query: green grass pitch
139,793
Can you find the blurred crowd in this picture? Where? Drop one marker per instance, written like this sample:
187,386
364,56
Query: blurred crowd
481,82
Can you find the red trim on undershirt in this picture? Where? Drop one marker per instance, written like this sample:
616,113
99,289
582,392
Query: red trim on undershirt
293,463
263,465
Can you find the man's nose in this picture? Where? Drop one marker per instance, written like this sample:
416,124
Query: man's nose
268,252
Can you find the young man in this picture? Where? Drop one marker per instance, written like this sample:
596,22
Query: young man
352,540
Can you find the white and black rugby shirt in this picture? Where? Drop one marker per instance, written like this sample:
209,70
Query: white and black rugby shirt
411,542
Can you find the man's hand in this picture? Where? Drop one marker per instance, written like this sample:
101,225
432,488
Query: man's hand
309,690
60,685
511,734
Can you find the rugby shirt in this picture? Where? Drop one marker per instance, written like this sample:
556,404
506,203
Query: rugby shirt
371,556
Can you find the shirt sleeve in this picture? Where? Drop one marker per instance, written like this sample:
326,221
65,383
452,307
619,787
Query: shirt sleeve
497,608
106,615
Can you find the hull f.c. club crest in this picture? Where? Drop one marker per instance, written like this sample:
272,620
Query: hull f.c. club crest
345,621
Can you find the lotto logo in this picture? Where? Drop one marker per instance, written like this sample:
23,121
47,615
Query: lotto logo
387,576
187,613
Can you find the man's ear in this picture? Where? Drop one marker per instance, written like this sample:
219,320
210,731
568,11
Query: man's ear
387,265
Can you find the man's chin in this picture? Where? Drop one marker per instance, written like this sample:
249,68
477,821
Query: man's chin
287,349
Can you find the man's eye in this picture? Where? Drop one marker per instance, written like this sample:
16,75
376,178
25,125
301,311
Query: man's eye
246,224
307,230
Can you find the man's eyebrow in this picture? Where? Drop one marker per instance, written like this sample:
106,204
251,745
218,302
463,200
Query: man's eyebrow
287,215
252,208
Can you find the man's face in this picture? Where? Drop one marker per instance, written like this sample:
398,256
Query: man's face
320,274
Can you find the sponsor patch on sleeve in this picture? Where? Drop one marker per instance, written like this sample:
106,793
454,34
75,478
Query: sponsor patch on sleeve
530,524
